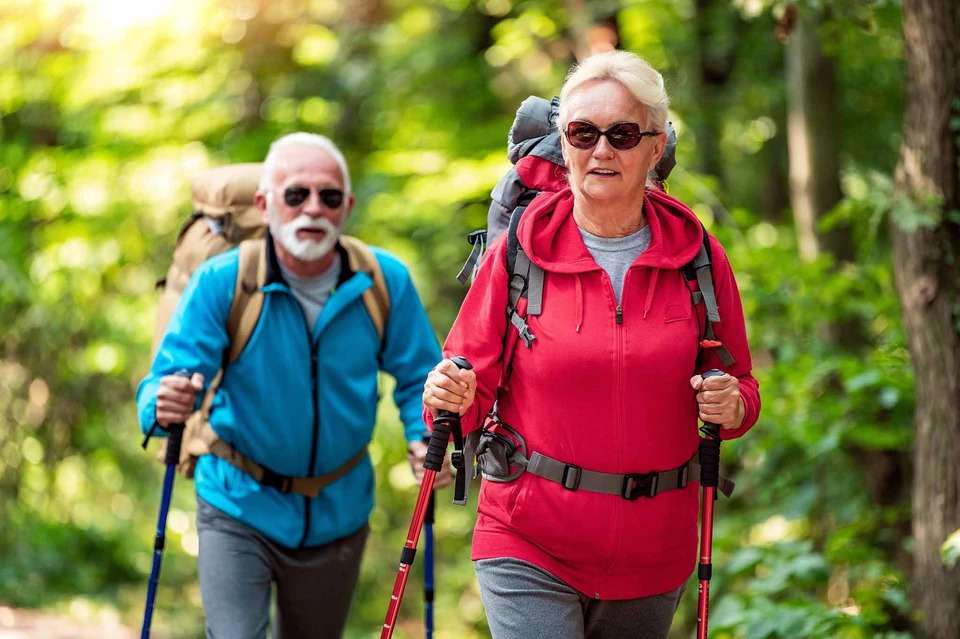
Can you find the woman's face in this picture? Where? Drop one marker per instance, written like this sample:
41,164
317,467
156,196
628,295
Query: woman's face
602,173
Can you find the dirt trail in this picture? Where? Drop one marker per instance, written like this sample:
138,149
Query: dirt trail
37,624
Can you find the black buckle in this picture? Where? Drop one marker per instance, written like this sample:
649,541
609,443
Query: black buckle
457,460
568,482
639,485
276,480
477,236
683,475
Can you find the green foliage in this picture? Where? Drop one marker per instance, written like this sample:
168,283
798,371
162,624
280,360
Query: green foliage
104,117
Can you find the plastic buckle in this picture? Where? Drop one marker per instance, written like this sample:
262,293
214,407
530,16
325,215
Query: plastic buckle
456,459
639,485
477,236
275,480
568,482
683,475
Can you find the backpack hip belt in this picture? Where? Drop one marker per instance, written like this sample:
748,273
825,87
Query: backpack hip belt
204,440
631,486
502,459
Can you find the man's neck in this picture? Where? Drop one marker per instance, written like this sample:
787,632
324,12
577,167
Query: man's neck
304,268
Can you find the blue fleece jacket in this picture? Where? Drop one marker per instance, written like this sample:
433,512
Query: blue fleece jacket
301,404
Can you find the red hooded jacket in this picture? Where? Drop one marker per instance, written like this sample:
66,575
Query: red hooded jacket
605,396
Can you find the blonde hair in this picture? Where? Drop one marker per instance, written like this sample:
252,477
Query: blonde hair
639,78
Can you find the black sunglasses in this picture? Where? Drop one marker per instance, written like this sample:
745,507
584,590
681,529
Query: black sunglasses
296,195
622,136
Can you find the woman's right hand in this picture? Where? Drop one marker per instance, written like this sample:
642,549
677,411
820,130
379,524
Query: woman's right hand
449,387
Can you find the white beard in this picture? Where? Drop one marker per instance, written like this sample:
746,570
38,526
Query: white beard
306,250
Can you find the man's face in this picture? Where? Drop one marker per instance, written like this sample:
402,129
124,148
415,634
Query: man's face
306,206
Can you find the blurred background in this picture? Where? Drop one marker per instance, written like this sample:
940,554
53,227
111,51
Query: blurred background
791,118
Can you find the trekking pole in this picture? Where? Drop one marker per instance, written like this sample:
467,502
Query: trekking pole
428,563
709,479
172,458
445,424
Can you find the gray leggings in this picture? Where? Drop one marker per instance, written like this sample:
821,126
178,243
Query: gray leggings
523,601
237,567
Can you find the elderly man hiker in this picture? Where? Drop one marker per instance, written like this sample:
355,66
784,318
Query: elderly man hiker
300,401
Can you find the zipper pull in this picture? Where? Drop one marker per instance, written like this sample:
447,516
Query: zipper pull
619,314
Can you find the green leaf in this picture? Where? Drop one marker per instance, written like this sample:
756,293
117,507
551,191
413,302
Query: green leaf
950,550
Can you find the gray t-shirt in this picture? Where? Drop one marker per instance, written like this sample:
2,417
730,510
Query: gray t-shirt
616,254
313,292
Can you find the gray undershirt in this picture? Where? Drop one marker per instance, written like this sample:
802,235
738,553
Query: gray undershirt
616,254
313,292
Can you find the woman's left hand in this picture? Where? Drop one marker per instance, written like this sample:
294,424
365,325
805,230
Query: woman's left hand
719,400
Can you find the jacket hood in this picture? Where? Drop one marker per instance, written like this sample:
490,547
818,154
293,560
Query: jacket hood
552,240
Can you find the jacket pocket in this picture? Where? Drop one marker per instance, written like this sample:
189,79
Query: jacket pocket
676,313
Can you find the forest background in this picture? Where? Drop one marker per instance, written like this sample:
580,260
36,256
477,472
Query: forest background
818,140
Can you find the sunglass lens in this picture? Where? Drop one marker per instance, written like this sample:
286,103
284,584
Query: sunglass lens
331,198
296,195
582,135
624,136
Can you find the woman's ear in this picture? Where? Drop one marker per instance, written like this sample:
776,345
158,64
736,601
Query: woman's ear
660,145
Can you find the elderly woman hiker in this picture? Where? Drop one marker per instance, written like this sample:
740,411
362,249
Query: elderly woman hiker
598,537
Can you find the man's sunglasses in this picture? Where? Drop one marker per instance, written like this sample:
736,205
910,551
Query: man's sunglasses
296,195
622,136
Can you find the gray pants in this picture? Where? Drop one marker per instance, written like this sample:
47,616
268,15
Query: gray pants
238,566
523,601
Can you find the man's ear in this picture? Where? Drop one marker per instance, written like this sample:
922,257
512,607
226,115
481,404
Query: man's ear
348,209
260,201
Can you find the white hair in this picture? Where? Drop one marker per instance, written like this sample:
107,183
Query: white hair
639,78
301,139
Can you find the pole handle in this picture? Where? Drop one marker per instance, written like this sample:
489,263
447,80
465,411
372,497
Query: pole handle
710,446
175,439
447,422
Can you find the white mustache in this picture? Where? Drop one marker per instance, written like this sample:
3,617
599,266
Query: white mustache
304,221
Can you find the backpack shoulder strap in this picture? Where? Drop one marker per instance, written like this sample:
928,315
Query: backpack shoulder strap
377,297
700,270
247,296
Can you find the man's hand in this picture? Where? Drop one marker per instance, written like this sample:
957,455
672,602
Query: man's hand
416,452
177,397
719,400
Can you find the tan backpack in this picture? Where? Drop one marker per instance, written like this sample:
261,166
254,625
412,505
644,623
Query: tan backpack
224,216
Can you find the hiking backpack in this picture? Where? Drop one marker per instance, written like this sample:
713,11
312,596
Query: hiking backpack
534,149
224,216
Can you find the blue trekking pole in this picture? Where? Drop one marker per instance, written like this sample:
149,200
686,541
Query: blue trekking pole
428,520
174,443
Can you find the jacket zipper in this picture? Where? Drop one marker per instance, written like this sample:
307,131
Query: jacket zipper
617,505
316,421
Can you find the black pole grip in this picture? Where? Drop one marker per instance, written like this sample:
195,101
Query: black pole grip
175,439
437,448
710,446
445,423
430,516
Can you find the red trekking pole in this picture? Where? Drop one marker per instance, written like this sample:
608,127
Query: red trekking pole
709,480
445,424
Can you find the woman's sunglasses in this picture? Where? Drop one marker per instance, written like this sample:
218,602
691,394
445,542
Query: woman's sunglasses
296,195
622,136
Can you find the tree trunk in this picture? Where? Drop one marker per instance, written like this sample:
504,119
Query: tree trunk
717,29
928,283
813,134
